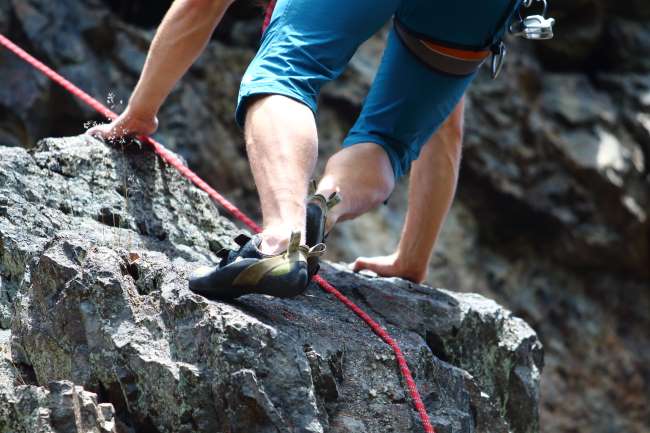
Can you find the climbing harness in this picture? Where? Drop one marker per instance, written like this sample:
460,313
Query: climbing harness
172,160
462,62
440,57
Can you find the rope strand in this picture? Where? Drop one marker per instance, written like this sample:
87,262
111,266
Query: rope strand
268,14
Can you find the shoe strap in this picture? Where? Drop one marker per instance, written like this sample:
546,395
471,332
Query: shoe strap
295,248
326,203
242,239
333,200
294,242
315,251
223,253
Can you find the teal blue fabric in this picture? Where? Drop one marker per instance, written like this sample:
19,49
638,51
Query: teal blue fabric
309,42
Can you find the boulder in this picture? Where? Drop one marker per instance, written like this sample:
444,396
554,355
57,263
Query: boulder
97,242
551,214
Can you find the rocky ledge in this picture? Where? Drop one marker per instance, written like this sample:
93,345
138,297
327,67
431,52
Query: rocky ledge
101,333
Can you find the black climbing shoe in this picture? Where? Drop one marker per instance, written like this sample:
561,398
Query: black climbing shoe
317,209
248,270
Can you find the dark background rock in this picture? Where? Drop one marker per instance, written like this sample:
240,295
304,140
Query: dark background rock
551,216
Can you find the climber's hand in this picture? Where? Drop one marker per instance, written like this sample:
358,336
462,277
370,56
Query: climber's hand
389,266
126,124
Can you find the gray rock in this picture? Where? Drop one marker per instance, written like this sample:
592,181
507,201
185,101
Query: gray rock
102,302
60,407
538,224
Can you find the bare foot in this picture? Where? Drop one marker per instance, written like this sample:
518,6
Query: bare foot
126,124
389,266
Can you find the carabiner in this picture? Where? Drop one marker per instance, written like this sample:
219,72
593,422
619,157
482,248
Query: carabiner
535,27
498,57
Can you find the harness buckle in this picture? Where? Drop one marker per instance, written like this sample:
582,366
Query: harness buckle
534,27
499,52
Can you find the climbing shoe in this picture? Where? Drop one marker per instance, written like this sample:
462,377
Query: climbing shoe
317,208
248,270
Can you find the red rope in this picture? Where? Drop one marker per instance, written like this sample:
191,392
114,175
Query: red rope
268,14
172,160
385,336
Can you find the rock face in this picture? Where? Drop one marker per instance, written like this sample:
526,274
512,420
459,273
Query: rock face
95,246
61,406
551,218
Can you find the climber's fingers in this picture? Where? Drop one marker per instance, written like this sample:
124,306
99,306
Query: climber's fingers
125,125
105,131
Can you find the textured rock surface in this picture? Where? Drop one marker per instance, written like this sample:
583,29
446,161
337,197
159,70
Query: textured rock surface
551,217
100,299
58,407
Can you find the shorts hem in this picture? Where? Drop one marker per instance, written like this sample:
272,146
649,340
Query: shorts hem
268,89
395,162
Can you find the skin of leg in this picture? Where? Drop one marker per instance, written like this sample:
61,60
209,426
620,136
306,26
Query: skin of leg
363,176
282,146
432,185
281,136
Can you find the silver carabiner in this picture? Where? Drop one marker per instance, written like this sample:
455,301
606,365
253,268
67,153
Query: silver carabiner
535,27
498,58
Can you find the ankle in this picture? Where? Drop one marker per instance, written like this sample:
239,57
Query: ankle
418,276
276,240
326,192
272,244
411,270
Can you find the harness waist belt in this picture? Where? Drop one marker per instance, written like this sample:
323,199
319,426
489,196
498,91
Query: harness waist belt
441,58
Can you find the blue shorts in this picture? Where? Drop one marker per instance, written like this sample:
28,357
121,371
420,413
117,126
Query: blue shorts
309,42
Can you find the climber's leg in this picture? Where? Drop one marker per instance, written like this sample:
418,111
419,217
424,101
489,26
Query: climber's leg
304,46
363,176
282,146
407,102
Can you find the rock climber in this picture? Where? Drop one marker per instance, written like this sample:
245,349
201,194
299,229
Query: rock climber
411,120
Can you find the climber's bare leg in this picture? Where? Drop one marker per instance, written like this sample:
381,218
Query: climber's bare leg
282,146
363,175
432,186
